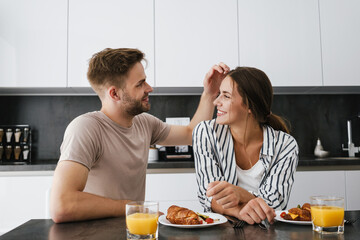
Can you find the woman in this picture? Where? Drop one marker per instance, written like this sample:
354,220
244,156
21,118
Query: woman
245,159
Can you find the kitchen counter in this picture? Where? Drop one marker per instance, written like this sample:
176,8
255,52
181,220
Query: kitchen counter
305,164
43,165
50,165
327,164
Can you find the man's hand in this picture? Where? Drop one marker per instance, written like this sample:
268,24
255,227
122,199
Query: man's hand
257,210
214,77
225,194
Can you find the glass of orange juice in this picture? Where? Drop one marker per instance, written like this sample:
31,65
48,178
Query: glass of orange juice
142,220
327,214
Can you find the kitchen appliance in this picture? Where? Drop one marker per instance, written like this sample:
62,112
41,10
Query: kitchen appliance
176,153
181,153
15,144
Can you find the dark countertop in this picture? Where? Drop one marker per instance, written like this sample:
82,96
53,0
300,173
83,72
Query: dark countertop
115,228
50,165
305,164
43,165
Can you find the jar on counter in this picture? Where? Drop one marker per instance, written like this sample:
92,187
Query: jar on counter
9,133
1,151
1,134
25,152
17,152
8,152
17,135
26,134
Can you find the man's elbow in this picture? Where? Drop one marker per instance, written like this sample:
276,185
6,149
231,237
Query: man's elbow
59,217
60,211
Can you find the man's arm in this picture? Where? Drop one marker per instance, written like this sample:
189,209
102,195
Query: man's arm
182,135
68,202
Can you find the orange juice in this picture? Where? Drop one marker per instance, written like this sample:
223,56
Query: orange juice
327,216
142,223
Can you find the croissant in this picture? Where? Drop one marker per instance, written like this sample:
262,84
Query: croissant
183,216
306,206
299,214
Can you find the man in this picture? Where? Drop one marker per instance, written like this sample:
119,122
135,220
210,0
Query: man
104,153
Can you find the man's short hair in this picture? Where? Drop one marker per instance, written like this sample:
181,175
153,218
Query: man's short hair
110,67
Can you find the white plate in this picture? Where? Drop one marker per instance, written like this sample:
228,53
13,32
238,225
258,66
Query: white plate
280,219
222,219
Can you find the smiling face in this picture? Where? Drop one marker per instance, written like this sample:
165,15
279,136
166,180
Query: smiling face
135,97
229,104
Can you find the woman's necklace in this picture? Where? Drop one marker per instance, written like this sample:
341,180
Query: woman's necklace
245,145
241,154
248,155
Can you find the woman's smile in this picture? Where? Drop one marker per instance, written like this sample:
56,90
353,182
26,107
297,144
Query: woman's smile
220,113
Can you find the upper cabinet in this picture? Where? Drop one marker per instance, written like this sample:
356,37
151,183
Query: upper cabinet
282,38
98,24
307,43
340,38
33,49
192,36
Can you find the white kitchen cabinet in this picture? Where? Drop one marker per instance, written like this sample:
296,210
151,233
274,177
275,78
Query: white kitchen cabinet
192,36
313,183
352,190
282,38
33,38
175,188
98,24
23,197
340,37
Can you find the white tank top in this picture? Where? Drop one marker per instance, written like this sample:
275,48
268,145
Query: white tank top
250,179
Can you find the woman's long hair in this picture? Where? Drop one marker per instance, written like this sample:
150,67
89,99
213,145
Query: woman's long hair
256,90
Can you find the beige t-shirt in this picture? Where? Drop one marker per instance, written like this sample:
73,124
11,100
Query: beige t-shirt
116,156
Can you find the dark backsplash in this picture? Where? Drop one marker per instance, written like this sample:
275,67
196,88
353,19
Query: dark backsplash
311,116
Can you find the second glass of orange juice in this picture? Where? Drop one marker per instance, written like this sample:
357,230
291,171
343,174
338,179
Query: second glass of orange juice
327,214
142,220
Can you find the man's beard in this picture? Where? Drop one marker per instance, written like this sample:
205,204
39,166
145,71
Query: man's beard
133,106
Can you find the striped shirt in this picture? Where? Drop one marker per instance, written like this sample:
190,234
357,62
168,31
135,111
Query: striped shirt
215,161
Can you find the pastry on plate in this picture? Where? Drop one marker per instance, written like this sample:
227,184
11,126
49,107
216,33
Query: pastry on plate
184,216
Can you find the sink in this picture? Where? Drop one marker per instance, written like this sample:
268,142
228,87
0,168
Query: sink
339,158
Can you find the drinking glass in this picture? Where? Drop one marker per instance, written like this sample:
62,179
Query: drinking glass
142,220
327,214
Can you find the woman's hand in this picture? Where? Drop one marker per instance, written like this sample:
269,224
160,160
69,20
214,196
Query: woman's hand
214,77
225,194
257,210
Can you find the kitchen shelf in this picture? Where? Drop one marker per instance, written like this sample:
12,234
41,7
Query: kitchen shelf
175,91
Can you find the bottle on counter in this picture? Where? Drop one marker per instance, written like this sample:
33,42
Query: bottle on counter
9,133
319,150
